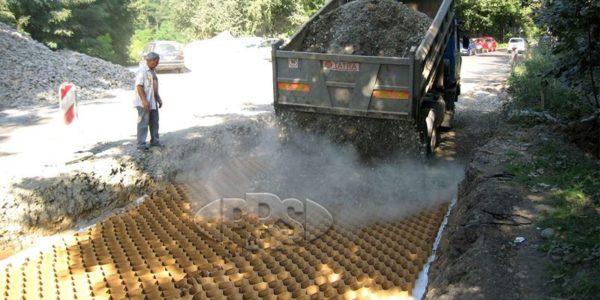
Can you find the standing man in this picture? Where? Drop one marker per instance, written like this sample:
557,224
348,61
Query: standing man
147,101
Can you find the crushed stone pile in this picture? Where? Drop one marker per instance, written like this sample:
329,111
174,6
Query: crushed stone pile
32,73
368,27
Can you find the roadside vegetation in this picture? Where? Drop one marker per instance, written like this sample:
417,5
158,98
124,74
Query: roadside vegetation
559,79
572,181
534,88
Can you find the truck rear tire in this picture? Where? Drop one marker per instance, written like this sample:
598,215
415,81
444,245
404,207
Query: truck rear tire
450,98
428,131
432,115
439,107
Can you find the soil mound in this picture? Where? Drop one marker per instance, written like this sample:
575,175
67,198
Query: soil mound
32,73
368,27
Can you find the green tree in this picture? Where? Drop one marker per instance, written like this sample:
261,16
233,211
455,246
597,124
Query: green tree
151,14
6,16
206,18
576,26
272,17
96,27
102,47
154,20
499,18
209,17
103,25
309,7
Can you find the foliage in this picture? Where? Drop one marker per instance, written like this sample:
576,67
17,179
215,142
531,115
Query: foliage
528,80
139,40
270,17
150,14
6,15
206,18
576,26
102,47
310,7
500,18
153,21
99,28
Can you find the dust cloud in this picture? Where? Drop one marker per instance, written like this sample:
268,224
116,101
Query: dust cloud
354,190
252,159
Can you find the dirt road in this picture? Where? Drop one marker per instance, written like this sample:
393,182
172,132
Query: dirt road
31,140
482,96
211,125
93,163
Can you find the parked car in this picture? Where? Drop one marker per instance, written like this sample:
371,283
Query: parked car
171,55
517,43
490,43
479,44
467,47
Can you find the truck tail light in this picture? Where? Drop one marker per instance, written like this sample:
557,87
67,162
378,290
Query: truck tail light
294,87
391,95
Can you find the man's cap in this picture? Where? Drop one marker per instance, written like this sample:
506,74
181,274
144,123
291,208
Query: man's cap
152,56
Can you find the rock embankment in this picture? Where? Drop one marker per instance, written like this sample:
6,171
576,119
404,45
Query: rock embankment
32,73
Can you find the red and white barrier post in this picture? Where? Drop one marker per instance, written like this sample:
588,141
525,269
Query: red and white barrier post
68,102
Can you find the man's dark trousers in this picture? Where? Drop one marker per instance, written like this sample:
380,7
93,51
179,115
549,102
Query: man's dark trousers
147,119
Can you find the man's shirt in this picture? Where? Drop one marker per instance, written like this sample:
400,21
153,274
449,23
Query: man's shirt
146,78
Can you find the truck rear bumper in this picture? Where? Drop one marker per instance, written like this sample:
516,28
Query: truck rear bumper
343,112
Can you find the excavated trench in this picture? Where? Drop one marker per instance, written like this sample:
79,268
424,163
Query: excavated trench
160,249
373,241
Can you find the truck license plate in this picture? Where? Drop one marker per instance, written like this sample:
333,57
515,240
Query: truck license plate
341,66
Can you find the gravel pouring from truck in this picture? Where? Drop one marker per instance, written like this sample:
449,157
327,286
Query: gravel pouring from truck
418,89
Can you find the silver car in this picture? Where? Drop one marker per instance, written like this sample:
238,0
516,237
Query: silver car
171,55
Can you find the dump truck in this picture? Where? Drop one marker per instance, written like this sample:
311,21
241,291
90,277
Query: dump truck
419,89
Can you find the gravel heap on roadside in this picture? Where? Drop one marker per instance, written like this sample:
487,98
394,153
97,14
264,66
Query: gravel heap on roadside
32,73
368,27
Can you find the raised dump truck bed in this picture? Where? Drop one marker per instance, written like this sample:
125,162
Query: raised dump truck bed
418,88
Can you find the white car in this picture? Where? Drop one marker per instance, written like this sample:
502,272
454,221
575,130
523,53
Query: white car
517,43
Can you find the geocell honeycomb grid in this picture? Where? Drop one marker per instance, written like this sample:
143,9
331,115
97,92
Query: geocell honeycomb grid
157,251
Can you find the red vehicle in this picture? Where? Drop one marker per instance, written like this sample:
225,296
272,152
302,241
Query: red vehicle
479,44
490,43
